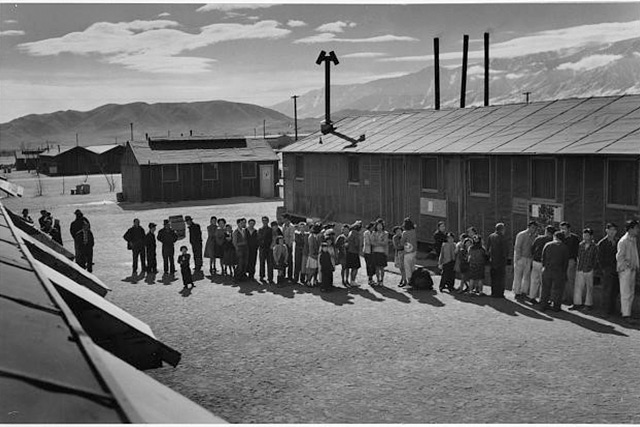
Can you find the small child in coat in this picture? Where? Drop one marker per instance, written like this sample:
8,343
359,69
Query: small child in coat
326,268
280,256
184,260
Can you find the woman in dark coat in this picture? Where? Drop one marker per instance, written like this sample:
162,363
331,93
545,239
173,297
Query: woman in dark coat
184,260
209,245
354,244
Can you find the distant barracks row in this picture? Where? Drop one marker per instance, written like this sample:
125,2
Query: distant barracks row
575,160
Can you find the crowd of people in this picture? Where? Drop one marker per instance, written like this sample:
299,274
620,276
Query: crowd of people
297,253
545,266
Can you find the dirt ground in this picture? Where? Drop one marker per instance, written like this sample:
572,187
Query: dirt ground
253,353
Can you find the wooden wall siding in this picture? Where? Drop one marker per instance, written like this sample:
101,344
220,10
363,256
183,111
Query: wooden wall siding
573,194
427,224
619,215
594,203
504,194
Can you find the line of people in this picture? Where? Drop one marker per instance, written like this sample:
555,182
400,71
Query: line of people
301,253
547,268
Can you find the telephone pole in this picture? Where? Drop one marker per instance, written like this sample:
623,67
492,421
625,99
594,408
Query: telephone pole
295,114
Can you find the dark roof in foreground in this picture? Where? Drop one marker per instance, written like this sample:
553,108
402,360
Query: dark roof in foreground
602,125
256,150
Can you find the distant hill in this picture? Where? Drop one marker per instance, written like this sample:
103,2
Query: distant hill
108,122
596,70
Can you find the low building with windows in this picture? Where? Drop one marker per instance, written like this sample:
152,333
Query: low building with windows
575,160
80,160
198,167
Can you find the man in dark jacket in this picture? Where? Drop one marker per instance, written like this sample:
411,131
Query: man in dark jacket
572,241
498,251
168,237
76,226
252,242
195,238
84,243
265,238
135,238
607,249
240,243
555,259
150,247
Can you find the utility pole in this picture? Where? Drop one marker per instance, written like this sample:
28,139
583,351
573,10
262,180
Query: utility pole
264,128
465,56
295,114
131,125
526,94
436,71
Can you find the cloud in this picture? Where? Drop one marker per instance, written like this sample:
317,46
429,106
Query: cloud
164,15
10,21
11,33
571,38
151,46
589,63
296,23
253,18
364,55
335,27
226,7
330,37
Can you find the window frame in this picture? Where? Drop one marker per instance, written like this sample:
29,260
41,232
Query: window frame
607,180
355,159
255,170
217,177
470,176
297,170
162,173
532,179
435,189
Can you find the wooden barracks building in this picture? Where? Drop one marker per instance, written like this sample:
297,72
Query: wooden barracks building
576,160
198,167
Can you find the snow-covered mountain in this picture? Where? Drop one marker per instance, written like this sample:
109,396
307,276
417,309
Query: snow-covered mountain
593,71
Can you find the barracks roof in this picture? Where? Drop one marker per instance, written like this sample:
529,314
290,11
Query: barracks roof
192,150
598,125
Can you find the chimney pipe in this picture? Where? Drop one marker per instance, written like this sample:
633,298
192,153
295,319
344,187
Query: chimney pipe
131,125
436,70
190,132
465,55
146,136
486,69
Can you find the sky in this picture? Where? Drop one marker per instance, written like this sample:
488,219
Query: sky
83,55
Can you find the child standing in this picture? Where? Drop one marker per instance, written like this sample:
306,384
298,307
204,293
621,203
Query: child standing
229,252
280,257
462,262
184,260
326,268
446,263
341,254
314,251
477,261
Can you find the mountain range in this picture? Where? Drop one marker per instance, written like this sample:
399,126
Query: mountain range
600,70
111,122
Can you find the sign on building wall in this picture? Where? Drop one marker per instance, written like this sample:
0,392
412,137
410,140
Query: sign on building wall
433,207
546,214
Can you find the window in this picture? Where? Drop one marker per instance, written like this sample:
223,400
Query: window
248,169
354,168
299,167
479,176
169,173
622,183
430,173
209,171
543,178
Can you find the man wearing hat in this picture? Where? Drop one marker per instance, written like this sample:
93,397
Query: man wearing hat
135,238
168,237
195,238
150,248
76,227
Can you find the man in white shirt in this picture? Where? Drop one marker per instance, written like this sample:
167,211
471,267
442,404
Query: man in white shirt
522,259
628,265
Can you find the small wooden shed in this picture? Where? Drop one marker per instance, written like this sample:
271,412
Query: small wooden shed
198,167
575,160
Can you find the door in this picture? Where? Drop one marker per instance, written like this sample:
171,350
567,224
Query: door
266,181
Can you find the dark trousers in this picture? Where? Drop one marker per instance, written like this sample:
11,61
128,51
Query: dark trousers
297,268
327,279
152,263
139,252
371,268
197,254
266,259
251,262
242,254
84,257
552,288
448,275
498,275
167,258
610,290
290,266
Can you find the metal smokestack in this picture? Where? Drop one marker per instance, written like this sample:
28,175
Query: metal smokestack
465,55
436,71
486,69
